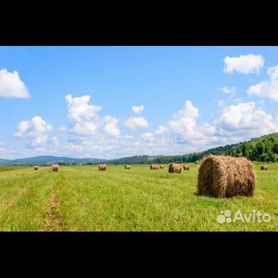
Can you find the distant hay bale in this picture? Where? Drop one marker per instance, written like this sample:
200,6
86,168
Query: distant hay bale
36,168
154,167
264,168
186,167
175,168
127,166
55,168
161,166
225,177
102,167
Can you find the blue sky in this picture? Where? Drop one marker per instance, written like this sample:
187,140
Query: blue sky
193,98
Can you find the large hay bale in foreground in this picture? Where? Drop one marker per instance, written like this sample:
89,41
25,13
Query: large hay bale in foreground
55,168
161,166
127,166
175,168
102,167
154,167
186,167
36,168
264,168
224,176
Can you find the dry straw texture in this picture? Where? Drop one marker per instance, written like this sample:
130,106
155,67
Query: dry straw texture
161,166
186,167
55,168
102,167
224,176
264,168
175,168
127,167
154,167
36,168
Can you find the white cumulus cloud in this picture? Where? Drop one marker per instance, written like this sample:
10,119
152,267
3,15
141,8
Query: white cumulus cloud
86,120
111,126
245,119
79,108
83,115
184,122
84,128
35,131
184,125
11,86
245,64
136,122
138,109
267,88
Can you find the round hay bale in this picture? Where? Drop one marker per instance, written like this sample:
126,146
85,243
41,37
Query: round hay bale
264,168
186,167
161,166
55,168
154,167
127,166
225,177
102,167
175,168
36,168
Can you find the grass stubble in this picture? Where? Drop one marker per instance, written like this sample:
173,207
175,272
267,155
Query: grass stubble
81,198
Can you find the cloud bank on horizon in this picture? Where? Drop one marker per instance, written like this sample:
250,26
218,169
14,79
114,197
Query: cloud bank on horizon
84,128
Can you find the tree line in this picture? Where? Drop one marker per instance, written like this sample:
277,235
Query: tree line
263,149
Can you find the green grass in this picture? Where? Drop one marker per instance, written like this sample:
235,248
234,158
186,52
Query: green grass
124,200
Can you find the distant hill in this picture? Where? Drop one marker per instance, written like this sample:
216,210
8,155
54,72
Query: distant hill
49,160
3,162
264,149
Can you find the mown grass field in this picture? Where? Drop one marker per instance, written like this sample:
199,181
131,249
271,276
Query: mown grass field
84,199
